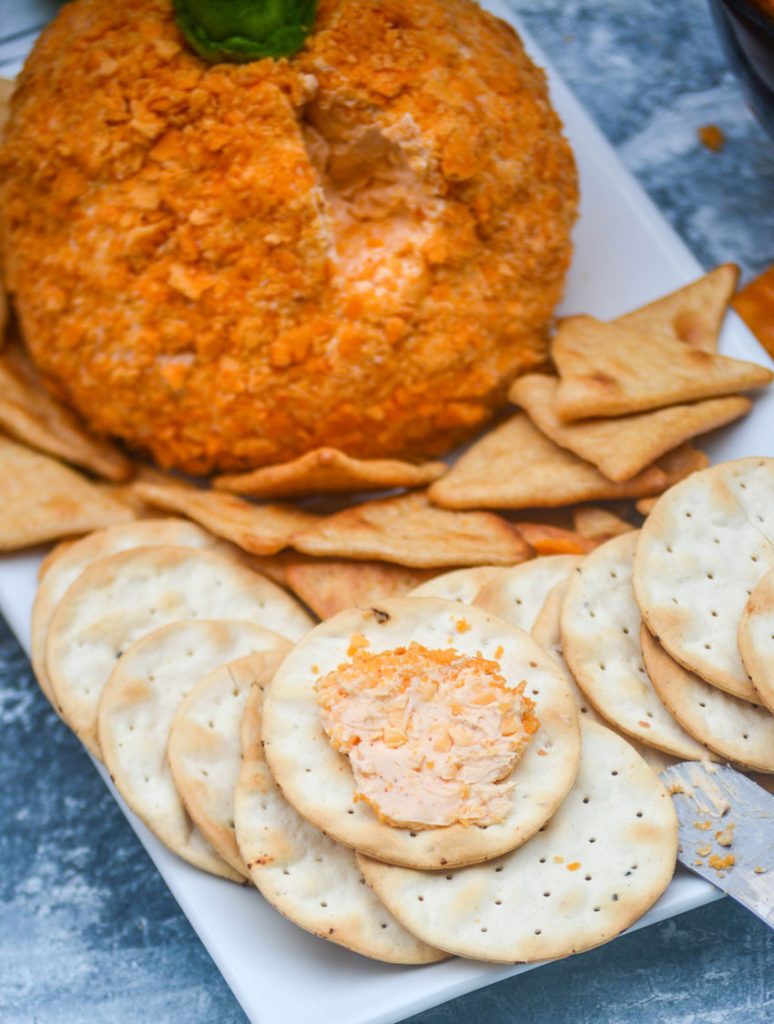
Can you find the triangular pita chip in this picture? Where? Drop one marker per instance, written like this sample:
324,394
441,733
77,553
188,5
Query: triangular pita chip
43,500
692,314
259,529
127,493
31,415
598,524
328,586
515,466
646,505
327,470
408,530
622,446
609,370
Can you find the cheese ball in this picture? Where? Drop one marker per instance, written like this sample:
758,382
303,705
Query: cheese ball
226,266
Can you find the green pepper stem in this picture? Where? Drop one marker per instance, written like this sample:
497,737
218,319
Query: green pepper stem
245,30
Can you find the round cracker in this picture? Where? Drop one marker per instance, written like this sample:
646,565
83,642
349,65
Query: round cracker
601,642
68,560
518,594
318,781
756,639
548,633
735,729
604,858
203,748
312,880
138,706
463,585
119,599
701,553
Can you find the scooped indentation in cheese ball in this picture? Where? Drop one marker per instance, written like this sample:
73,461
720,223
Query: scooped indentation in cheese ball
431,735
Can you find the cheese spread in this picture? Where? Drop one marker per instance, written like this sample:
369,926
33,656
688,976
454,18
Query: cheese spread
431,735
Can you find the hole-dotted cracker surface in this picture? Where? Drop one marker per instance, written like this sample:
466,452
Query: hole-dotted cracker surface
736,729
518,594
309,878
463,585
605,856
203,749
138,706
319,782
756,639
121,598
547,631
601,642
702,551
67,567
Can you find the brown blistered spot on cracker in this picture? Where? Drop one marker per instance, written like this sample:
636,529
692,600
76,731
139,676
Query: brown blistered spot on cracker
378,614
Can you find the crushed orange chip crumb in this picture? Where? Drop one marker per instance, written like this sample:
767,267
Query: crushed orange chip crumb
711,136
356,643
573,865
721,863
755,305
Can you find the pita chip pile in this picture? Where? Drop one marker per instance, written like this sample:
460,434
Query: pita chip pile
618,418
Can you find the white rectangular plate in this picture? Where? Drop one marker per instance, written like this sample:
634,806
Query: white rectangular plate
626,254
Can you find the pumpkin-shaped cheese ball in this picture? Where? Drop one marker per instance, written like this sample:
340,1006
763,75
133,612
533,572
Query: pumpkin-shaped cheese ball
228,265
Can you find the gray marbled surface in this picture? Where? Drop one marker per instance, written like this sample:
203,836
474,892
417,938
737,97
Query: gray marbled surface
89,932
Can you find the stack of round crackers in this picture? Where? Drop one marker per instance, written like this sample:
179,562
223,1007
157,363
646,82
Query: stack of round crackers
193,678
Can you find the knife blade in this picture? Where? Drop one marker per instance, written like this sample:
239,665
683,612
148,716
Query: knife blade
726,824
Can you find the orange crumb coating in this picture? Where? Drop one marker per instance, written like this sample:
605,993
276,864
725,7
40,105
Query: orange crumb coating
227,266
431,735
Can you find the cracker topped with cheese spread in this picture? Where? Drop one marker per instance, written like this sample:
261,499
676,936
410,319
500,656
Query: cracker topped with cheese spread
421,732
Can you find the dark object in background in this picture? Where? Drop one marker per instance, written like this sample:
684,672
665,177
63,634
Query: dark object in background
747,31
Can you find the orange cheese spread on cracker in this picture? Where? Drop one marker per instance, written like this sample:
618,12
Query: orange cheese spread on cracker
431,735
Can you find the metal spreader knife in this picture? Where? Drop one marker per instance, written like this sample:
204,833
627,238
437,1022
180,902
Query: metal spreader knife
726,831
